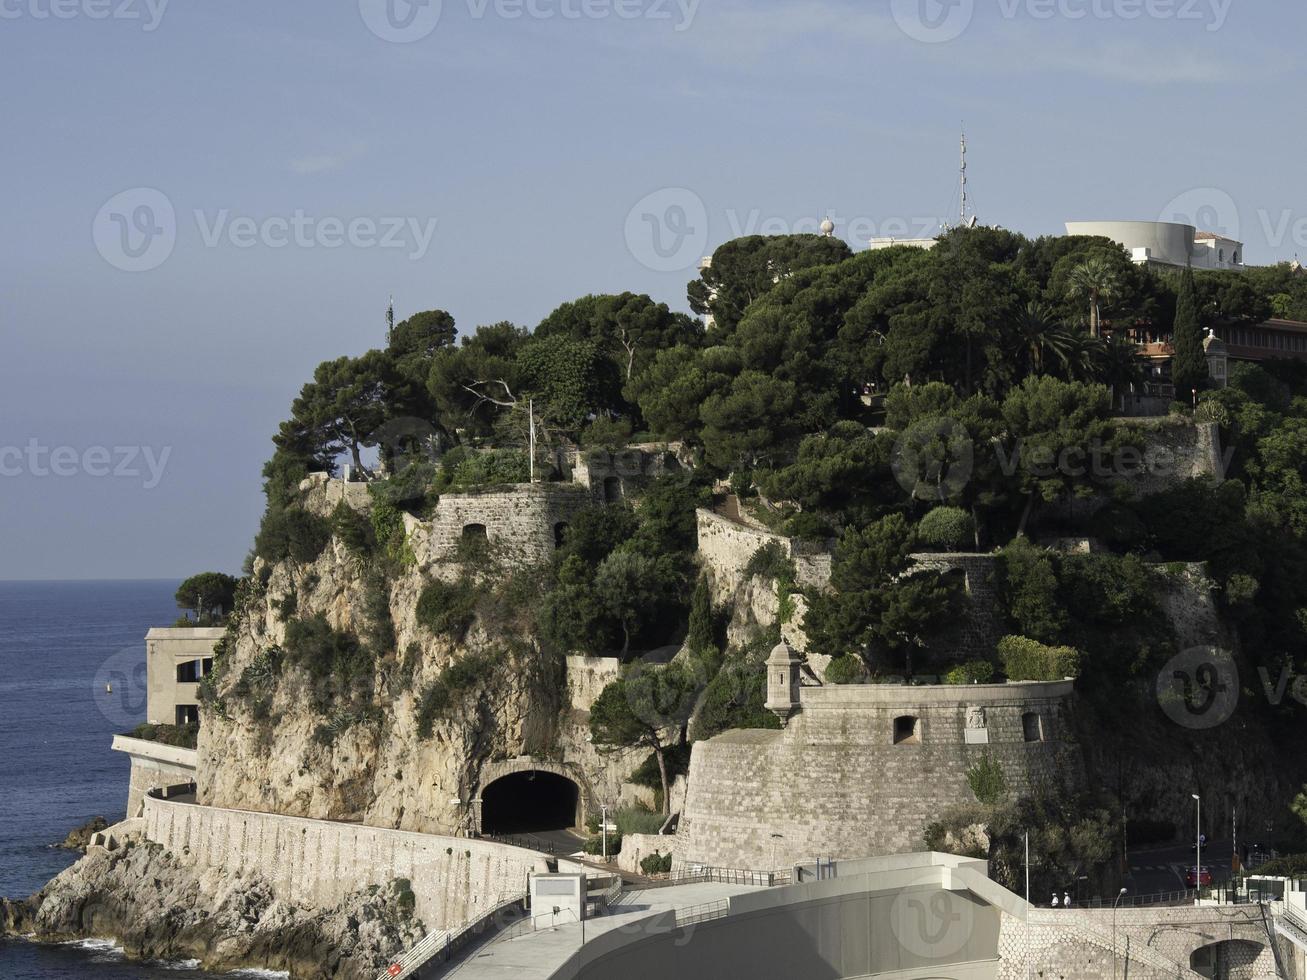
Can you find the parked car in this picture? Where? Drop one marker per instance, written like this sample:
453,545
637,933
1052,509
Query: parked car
1193,877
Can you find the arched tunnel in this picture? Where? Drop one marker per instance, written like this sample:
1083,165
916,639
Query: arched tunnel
529,802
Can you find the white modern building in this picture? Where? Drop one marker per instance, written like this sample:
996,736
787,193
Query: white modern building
1166,243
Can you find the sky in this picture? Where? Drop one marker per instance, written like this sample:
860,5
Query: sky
201,201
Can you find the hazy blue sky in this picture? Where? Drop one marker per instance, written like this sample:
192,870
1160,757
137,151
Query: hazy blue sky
528,133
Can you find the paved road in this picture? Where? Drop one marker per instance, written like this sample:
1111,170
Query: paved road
1161,869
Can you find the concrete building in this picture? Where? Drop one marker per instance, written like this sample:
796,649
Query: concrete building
176,660
1166,244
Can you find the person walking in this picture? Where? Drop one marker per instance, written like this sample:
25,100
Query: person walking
1054,899
1066,900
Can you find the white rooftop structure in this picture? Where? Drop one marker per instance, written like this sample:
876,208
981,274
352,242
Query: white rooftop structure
1166,243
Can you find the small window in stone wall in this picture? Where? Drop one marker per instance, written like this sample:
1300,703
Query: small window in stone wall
1032,724
907,730
560,533
475,532
612,490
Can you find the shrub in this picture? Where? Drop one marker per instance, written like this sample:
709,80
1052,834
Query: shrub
606,433
352,529
595,845
973,672
443,693
498,466
847,669
1025,659
325,652
947,528
770,561
388,526
291,532
1289,866
409,489
634,820
655,863
1210,410
181,736
987,780
447,609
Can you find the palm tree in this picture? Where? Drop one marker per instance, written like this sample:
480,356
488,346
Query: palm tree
1036,327
1120,363
1097,280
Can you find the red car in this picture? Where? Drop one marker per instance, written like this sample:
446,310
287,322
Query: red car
1195,876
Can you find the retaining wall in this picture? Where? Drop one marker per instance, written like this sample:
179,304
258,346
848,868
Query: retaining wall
317,863
153,765
725,547
835,783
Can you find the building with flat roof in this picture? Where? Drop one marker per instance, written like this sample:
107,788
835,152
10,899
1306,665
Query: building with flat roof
176,660
1167,244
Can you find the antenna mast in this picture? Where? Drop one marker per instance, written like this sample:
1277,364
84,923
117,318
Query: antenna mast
962,177
390,319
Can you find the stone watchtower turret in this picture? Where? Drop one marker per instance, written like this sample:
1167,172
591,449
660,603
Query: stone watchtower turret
783,681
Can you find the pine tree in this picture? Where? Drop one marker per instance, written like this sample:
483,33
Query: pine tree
700,636
1189,363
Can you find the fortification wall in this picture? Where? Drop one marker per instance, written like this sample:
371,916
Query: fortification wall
725,547
322,492
154,765
587,677
980,627
317,863
1175,450
835,783
614,474
521,522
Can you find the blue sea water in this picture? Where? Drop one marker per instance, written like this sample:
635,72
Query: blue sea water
61,643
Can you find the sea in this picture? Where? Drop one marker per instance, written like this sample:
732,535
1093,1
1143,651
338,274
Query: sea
72,674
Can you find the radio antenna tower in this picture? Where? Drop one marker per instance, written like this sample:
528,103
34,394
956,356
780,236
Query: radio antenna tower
962,178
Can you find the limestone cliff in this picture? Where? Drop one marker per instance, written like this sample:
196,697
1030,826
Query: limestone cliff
160,908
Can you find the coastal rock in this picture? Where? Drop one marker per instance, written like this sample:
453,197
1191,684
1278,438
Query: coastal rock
79,837
157,907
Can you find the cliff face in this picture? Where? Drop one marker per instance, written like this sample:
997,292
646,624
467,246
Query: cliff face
280,739
158,907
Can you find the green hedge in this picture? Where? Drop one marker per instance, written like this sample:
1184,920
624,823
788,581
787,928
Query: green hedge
947,527
847,669
973,672
1025,659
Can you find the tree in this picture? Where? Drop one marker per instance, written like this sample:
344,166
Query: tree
948,528
207,594
632,587
338,410
701,635
749,421
1189,362
644,708
423,334
474,384
1096,280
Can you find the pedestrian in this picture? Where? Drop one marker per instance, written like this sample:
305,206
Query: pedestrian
1054,899
1066,900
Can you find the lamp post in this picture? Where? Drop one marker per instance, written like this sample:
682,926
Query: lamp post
774,839
603,828
1198,846
1119,895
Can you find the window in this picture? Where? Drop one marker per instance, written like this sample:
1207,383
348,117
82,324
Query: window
1032,726
188,714
907,730
475,532
560,533
189,672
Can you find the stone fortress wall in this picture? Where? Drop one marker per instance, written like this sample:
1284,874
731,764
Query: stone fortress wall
980,626
834,781
725,547
1174,450
317,863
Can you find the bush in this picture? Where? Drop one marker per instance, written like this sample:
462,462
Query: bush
947,528
388,527
770,561
1025,659
987,780
181,736
635,820
446,691
1289,866
352,529
291,532
656,864
973,672
324,652
447,609
847,669
606,433
499,466
595,845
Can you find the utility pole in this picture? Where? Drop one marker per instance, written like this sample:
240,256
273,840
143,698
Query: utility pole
1198,843
390,320
1120,895
963,178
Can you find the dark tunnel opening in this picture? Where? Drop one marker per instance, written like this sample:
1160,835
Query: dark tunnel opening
527,802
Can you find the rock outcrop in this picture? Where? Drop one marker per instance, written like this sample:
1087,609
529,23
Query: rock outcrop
157,907
79,837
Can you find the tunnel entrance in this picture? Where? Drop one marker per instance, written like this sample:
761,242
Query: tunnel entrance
529,802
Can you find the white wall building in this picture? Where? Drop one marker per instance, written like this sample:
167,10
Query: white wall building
1166,243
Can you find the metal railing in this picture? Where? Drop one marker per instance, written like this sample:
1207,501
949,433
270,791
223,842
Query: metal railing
534,923
411,961
702,913
722,876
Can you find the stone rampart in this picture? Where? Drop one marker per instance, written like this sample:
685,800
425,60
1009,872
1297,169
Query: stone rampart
725,547
978,630
1174,450
521,523
153,765
862,770
317,863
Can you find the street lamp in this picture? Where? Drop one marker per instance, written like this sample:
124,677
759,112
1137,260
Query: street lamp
1120,895
1198,841
774,839
603,828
